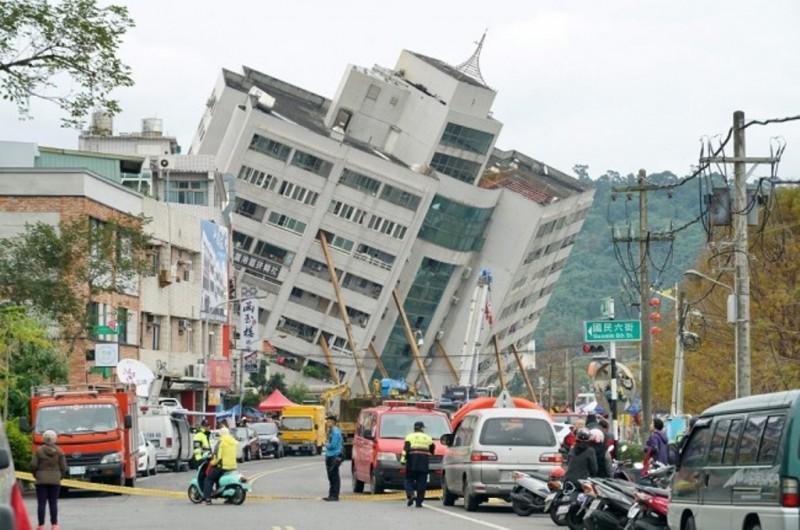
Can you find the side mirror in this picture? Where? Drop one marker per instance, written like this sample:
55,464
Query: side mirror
128,422
447,439
24,425
5,459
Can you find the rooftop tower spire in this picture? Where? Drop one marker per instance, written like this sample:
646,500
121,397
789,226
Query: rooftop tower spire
472,66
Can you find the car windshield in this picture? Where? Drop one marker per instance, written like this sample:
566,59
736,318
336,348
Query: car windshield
517,431
265,429
240,434
401,425
297,423
74,419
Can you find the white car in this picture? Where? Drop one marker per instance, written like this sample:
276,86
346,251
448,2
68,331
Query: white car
562,430
147,457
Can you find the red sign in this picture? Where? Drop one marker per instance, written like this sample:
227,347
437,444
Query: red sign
219,374
269,348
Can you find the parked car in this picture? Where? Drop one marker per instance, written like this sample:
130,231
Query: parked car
379,439
249,447
12,510
268,439
740,466
488,446
148,463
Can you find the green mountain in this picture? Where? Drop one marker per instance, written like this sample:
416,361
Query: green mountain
594,272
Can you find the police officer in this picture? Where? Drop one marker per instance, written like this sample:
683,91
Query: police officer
417,450
201,443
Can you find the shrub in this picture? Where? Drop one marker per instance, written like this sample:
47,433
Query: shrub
21,446
633,452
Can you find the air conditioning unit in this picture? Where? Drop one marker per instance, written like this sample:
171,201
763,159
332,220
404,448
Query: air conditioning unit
164,277
440,334
263,99
164,163
467,272
454,300
281,322
199,371
183,325
188,371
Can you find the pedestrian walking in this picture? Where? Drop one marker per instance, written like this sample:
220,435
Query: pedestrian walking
657,446
333,458
48,466
417,450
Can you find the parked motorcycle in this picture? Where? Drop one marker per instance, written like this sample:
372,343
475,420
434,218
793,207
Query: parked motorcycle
609,509
532,489
649,512
232,487
558,502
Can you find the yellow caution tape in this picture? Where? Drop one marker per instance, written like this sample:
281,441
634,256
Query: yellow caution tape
152,492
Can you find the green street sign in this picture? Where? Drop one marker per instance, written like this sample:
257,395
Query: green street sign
104,330
612,330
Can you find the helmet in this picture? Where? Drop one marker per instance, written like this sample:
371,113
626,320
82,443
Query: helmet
597,436
204,423
418,426
583,435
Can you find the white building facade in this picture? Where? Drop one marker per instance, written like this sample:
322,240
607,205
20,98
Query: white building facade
401,173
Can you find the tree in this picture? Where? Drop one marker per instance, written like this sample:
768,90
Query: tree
297,392
48,46
59,270
28,358
775,342
276,382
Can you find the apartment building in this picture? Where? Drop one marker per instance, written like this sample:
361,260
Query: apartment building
400,172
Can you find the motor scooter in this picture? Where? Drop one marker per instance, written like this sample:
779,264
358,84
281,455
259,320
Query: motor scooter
531,490
232,487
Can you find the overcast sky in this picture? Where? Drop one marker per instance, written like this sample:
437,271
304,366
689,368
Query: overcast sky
613,84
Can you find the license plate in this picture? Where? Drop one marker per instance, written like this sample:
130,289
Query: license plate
633,512
564,508
77,470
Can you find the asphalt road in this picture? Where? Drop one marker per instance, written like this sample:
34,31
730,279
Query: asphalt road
300,477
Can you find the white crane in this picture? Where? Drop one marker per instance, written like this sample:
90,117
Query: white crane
478,312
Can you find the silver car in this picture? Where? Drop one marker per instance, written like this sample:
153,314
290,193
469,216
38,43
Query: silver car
488,446
8,486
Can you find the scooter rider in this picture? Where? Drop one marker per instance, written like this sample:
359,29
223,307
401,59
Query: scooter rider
583,459
201,443
223,461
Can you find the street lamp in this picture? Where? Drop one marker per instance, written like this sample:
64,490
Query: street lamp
732,317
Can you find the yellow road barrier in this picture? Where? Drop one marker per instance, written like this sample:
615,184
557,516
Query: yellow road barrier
153,492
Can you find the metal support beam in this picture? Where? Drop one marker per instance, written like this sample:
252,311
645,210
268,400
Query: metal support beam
412,342
343,311
525,376
378,361
323,342
447,359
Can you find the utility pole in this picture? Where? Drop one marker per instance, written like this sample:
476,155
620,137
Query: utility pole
677,375
524,373
741,257
644,238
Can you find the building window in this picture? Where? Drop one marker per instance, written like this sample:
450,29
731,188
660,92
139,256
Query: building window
273,253
122,325
188,192
312,163
271,148
154,328
454,225
250,209
360,182
257,178
347,212
375,256
458,168
400,197
343,117
387,226
284,221
373,92
467,139
298,193
342,243
242,241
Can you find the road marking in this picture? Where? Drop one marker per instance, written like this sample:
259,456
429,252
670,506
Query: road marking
257,476
281,528
466,518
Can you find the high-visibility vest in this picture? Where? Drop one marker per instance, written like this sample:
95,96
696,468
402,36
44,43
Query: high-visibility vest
419,442
200,444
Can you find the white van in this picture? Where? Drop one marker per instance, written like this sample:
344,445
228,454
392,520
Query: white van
170,434
488,446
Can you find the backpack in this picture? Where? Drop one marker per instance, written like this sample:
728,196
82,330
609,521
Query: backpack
673,454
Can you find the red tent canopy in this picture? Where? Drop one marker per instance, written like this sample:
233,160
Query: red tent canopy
274,402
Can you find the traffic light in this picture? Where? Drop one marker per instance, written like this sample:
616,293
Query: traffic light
593,348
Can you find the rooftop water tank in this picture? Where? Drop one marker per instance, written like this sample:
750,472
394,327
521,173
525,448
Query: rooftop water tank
152,126
102,123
